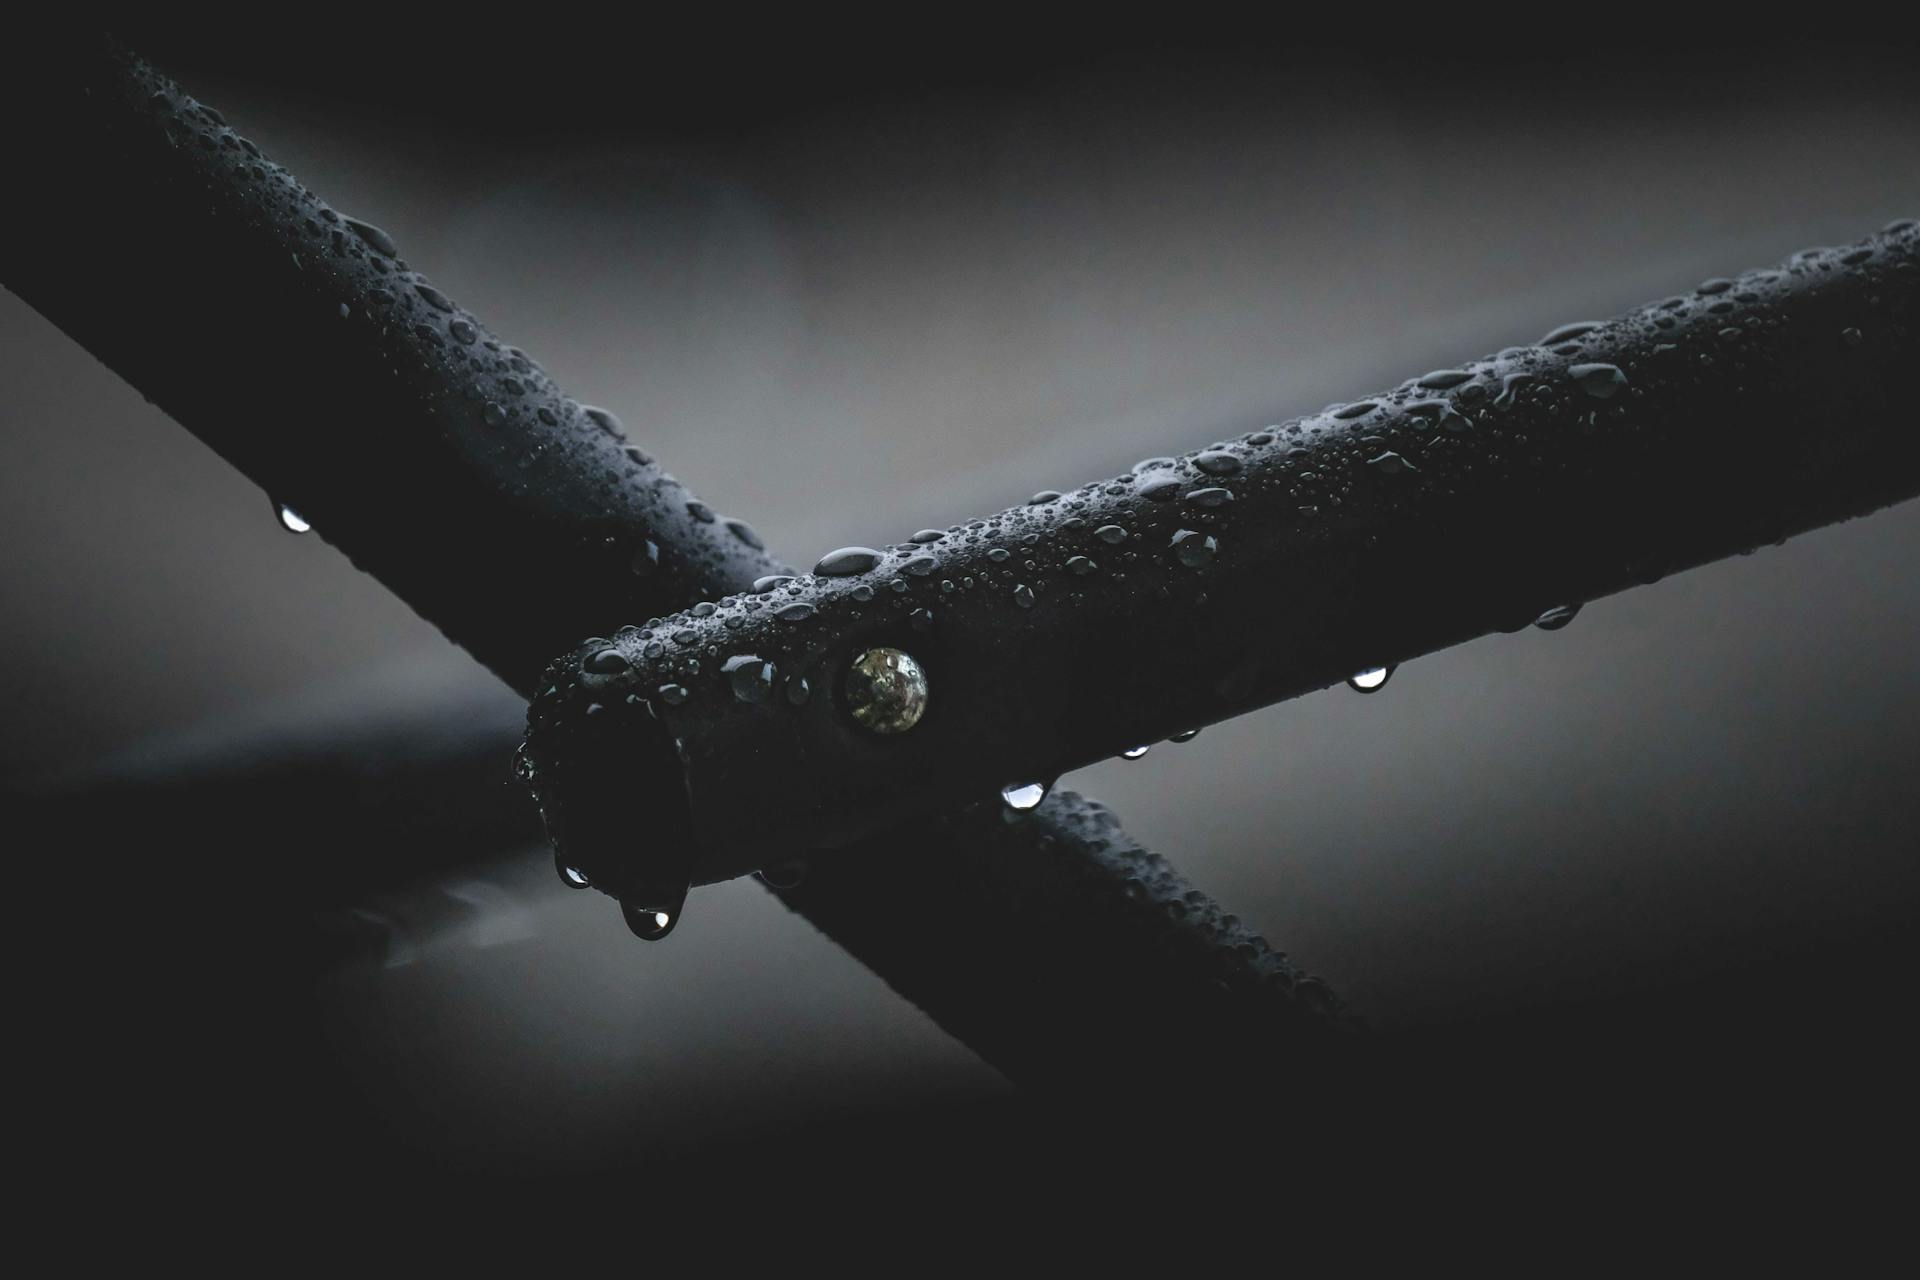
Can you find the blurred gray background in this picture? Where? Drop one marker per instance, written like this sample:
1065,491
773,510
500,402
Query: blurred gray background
847,316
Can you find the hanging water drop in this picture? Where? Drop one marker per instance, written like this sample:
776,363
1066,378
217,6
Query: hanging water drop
290,519
1022,797
574,878
1134,753
1369,680
1556,617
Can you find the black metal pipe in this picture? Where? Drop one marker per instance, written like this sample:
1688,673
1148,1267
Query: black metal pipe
300,345
1195,588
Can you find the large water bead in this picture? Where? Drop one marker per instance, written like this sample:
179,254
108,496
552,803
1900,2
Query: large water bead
886,691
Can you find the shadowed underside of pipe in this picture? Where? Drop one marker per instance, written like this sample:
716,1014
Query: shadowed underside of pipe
1195,588
296,341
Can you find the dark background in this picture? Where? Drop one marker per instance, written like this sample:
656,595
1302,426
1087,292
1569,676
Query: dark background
851,284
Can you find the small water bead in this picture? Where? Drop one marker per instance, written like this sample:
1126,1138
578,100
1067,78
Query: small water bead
1193,548
290,520
1043,497
799,690
1443,379
1161,489
745,532
378,240
1188,736
646,559
605,662
463,331
1356,410
700,511
523,767
434,298
799,611
1852,336
750,676
1110,533
493,414
1081,565
928,535
921,619
1370,680
1218,463
673,694
604,420
1023,595
1601,381
1134,753
1568,332
763,585
574,878
702,610
847,561
998,554
1023,797
921,566
886,691
1557,617
1391,463
863,593
1210,497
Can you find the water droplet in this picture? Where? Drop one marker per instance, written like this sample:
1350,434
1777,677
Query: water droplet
1193,548
523,766
886,691
700,511
1442,379
798,611
1134,753
378,240
928,535
1355,410
463,331
1218,463
744,531
646,559
1043,497
1023,796
1716,285
435,299
750,676
1111,533
999,555
493,414
846,562
290,520
648,923
921,619
1601,381
798,690
1210,497
1391,463
1160,489
1023,595
1188,736
574,878
1081,565
605,421
1568,332
1852,336
673,694
1556,617
605,662
921,566
1371,679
